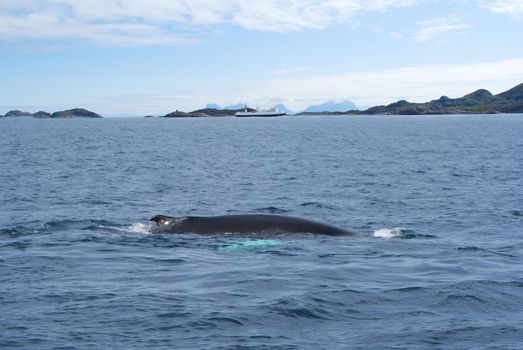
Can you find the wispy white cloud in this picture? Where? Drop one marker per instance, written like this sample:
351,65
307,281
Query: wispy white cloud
436,27
396,35
49,25
139,22
511,7
293,70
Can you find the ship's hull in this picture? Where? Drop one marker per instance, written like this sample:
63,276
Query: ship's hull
259,114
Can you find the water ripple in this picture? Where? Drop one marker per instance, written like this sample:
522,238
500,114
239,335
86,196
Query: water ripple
437,265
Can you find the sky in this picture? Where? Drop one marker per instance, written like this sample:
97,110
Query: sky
139,57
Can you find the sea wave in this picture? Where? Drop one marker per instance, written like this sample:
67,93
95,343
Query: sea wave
54,226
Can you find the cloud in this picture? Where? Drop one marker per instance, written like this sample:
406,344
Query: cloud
511,7
294,70
49,25
436,27
396,35
142,22
74,20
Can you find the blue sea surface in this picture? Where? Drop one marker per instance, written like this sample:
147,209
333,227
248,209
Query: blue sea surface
437,263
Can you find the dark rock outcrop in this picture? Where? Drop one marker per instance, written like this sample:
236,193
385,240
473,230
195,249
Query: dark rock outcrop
17,113
515,94
42,114
75,113
180,114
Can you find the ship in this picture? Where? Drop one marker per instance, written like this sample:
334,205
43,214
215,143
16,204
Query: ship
273,112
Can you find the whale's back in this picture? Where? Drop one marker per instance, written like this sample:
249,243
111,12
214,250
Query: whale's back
245,223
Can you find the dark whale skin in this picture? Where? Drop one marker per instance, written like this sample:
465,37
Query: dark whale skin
243,224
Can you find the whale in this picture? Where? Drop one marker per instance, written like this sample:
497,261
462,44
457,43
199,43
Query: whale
243,224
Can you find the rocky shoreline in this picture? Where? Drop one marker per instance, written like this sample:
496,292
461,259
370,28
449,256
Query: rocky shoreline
478,102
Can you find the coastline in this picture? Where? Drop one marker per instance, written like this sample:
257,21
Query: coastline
478,102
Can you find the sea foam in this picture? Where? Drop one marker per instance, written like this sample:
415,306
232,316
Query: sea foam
388,232
139,228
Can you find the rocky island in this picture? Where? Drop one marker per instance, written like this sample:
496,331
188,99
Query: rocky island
75,113
17,113
206,112
70,113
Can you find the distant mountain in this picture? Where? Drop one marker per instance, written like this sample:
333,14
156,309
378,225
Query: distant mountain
281,107
477,102
235,107
212,105
331,106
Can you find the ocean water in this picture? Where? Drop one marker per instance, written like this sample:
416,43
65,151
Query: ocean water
437,263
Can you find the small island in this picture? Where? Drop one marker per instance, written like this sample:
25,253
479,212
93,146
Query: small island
70,113
75,113
207,112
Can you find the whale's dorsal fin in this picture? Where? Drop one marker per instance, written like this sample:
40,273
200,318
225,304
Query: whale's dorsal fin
162,219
